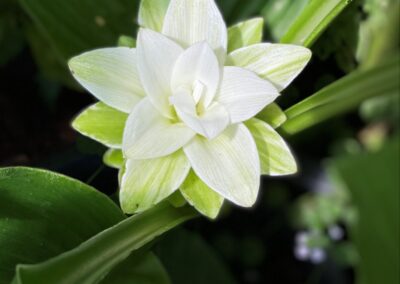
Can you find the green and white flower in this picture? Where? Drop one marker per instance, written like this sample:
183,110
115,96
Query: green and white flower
181,108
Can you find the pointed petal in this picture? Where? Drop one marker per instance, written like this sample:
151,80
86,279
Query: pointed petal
151,14
149,135
245,33
111,75
275,156
156,58
228,164
192,21
147,182
244,94
102,123
201,197
197,64
278,63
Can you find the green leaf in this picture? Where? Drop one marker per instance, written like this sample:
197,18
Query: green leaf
343,95
113,158
313,20
275,156
152,12
93,259
148,182
280,14
138,268
199,195
43,214
273,115
245,33
373,180
102,123
73,26
186,255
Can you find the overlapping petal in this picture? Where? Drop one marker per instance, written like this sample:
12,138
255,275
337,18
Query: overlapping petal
275,156
157,55
200,196
192,21
111,75
144,183
149,135
228,164
210,123
198,64
244,94
278,63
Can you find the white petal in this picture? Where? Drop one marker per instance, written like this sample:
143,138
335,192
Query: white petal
275,156
149,135
111,75
278,63
156,59
244,94
193,21
210,124
147,182
197,64
228,164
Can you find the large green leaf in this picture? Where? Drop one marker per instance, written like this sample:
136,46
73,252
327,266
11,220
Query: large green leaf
74,26
102,123
106,250
186,255
138,268
343,95
313,20
373,181
43,214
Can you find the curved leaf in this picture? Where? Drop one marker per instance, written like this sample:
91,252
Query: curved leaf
43,214
343,95
106,250
313,20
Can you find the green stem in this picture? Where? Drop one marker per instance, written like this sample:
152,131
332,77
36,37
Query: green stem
313,20
93,259
343,95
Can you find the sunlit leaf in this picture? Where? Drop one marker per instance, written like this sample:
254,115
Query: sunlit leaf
343,95
313,20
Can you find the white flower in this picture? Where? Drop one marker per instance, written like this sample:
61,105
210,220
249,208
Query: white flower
190,106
